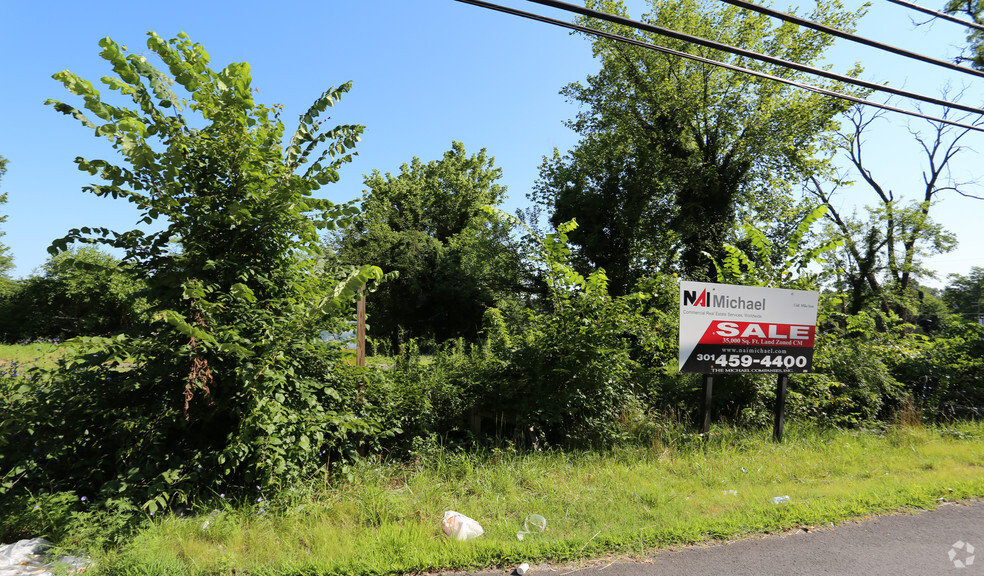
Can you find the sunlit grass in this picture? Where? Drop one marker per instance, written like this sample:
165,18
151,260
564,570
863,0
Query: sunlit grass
25,356
681,490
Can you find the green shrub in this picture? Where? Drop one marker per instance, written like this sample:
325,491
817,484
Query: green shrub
83,291
943,375
226,383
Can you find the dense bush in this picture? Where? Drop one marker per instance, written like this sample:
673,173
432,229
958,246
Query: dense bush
226,384
564,375
943,375
585,369
83,291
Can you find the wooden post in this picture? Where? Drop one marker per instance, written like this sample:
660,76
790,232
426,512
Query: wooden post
360,329
781,383
705,429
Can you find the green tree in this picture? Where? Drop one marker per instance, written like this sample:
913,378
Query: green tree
965,294
454,260
974,9
83,291
228,384
718,144
881,259
613,189
6,259
793,263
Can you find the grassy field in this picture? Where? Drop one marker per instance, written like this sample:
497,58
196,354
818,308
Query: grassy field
16,357
385,520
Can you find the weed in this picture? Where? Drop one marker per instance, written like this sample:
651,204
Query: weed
384,518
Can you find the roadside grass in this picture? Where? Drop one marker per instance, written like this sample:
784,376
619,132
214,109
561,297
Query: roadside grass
675,489
628,502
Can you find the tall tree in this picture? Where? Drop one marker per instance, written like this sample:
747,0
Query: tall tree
974,9
883,250
6,259
613,190
229,383
719,144
453,259
965,294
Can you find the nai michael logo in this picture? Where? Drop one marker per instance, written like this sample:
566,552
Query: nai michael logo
705,299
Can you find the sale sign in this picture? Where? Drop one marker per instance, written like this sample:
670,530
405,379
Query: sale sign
734,329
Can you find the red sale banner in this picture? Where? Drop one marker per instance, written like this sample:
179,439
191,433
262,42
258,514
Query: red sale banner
758,334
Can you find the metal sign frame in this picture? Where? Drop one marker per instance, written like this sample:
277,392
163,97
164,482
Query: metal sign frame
734,329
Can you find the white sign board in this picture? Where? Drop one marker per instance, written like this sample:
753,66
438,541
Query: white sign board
741,329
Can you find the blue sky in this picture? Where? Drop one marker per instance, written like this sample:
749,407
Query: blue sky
425,72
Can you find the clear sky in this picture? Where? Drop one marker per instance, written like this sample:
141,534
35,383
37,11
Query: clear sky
425,72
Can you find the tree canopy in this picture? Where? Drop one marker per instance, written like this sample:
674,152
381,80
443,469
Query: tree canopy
80,292
686,148
453,259
974,9
965,294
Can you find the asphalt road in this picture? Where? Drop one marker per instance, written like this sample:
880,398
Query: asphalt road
946,541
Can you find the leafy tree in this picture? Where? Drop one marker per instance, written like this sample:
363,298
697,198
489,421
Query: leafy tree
228,384
881,258
698,145
613,189
965,294
974,9
6,260
790,264
83,291
453,259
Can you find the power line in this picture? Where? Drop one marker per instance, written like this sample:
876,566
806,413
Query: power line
645,26
852,37
936,14
658,48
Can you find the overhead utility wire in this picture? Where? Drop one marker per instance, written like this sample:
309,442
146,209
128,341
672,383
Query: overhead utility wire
942,15
750,54
656,47
852,37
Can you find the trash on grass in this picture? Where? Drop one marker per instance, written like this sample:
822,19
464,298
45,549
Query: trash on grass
536,522
730,492
460,527
780,499
211,519
522,568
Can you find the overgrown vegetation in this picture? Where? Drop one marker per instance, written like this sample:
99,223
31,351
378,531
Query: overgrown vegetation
224,382
200,402
80,292
674,488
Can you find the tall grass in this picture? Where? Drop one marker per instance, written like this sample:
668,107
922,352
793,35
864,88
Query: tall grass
679,489
667,486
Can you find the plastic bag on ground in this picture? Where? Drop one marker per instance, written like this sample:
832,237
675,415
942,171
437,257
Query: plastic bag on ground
533,523
460,527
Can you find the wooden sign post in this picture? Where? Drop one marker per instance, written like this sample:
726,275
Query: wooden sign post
360,329
705,428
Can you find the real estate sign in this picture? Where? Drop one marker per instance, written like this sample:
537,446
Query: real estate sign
741,329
